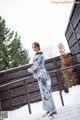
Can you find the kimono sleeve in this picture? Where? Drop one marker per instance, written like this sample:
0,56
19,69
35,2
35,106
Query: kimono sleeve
36,64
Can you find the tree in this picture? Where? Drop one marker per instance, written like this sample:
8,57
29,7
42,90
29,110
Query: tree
11,52
70,77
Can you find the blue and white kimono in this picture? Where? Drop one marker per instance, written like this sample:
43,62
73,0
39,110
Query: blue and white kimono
40,73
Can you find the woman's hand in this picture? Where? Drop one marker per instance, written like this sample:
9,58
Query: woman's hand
29,70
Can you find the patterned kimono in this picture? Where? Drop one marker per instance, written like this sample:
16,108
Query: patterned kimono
40,73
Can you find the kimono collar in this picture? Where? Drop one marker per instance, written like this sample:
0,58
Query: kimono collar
38,53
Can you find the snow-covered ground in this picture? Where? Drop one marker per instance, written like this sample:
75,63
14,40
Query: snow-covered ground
73,97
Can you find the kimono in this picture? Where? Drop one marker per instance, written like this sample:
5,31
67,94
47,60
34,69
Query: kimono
44,81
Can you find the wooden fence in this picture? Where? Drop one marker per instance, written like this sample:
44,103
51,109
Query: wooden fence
73,34
14,95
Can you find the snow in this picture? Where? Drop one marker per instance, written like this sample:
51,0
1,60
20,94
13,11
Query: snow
22,113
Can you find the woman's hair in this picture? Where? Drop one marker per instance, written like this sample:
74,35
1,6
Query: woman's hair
36,44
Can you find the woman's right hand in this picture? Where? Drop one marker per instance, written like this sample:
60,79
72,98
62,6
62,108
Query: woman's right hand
29,69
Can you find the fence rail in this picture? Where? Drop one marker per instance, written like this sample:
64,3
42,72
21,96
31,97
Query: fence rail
25,78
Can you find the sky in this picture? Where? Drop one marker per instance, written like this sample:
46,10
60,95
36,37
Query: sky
37,20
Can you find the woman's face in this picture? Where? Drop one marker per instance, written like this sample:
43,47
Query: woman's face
36,49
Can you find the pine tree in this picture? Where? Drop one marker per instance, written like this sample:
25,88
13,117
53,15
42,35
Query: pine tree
11,52
19,56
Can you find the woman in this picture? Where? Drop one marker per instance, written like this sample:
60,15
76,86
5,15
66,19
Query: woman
40,73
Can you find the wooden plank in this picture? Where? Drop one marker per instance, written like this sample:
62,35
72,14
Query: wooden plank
79,41
69,32
19,100
49,66
55,88
15,85
49,60
77,30
58,62
54,81
35,99
3,78
17,91
3,89
72,40
6,104
4,95
0,105
32,88
77,57
32,94
76,15
51,73
75,49
18,74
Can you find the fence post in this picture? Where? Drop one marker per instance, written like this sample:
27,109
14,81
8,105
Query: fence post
59,82
27,97
0,105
